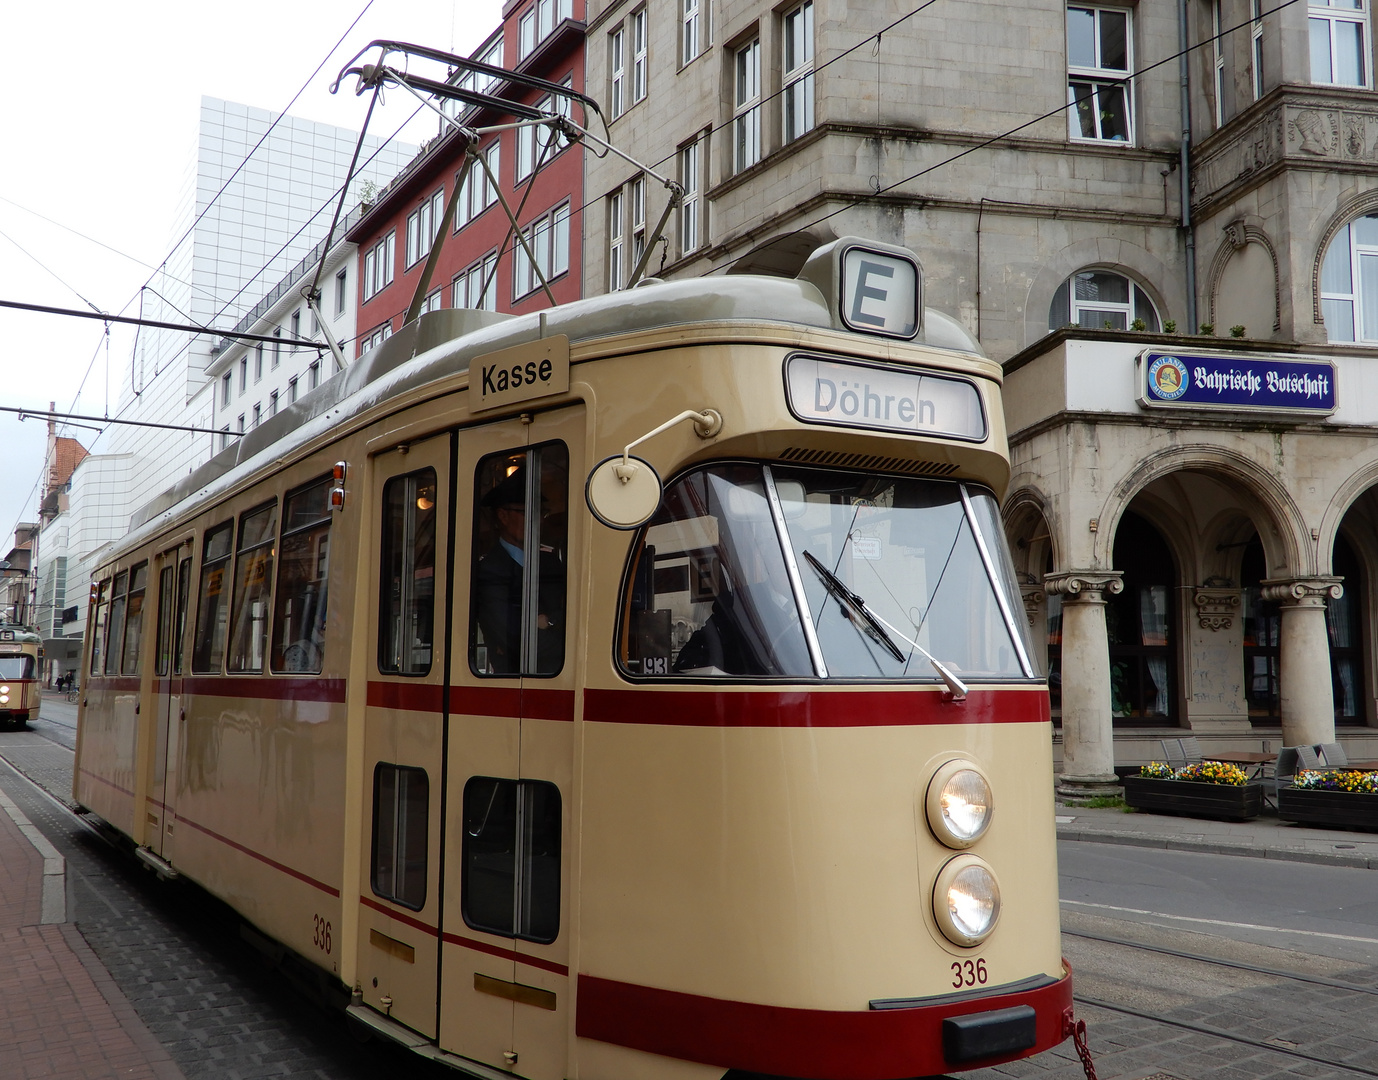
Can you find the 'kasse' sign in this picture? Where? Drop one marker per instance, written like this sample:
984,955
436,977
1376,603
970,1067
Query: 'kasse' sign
1237,383
884,398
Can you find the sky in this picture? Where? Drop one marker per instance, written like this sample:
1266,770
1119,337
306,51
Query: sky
98,131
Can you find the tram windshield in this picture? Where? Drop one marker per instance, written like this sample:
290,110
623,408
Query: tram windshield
777,572
16,667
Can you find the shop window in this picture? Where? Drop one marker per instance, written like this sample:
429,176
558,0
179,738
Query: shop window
1099,60
1262,634
300,605
401,822
1349,282
517,611
253,586
134,620
1344,621
1139,623
212,611
1339,42
406,606
511,859
1102,300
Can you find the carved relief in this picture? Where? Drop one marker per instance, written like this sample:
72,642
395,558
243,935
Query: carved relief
1314,132
1254,148
1216,608
1033,598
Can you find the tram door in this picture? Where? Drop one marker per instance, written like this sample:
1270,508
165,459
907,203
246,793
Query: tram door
174,592
404,646
505,973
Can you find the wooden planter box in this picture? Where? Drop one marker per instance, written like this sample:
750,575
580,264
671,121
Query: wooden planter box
1348,809
1223,801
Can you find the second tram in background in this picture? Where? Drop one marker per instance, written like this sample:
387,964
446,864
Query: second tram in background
21,674
634,689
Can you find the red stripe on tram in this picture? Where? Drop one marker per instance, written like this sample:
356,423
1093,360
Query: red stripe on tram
505,953
266,688
808,708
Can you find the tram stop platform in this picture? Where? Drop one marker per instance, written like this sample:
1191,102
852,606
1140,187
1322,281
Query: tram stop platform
1264,837
61,1015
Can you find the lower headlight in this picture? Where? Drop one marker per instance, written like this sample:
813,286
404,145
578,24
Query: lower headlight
966,900
4,699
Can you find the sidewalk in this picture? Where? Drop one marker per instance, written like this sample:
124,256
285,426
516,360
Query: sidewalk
61,1015
1263,838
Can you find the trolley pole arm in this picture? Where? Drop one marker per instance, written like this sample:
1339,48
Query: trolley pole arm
676,197
313,301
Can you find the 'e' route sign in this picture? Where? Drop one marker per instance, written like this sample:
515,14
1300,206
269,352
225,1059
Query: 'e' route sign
880,293
1237,383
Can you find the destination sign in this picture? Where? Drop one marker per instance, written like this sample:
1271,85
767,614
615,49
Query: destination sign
533,370
1237,383
884,398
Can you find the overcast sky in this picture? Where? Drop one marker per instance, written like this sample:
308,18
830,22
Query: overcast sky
98,130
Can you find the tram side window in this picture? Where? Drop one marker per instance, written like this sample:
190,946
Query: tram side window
406,606
253,584
401,814
162,661
212,613
521,532
119,598
511,863
300,606
98,621
134,620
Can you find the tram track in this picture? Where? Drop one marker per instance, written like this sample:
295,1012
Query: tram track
1295,1052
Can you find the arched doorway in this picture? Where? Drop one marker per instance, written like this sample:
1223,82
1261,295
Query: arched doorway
1141,623
1344,621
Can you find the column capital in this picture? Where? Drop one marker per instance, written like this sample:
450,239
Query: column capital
1089,586
1033,597
1302,591
1216,608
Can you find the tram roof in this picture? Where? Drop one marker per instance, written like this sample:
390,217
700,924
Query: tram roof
443,343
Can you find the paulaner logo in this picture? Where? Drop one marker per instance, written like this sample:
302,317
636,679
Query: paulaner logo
1167,377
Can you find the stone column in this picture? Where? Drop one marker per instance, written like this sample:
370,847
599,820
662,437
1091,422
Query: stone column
1306,700
1088,747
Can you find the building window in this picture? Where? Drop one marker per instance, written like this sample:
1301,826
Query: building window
746,101
477,287
225,381
1339,42
258,415
548,237
638,56
526,34
638,220
692,35
296,331
291,390
258,362
478,192
241,423
1101,300
378,265
1349,282
1256,46
421,224
341,296
1217,64
1099,56
313,375
431,303
617,64
510,883
373,340
690,207
273,403
277,345
244,374
798,73
401,814
539,139
616,252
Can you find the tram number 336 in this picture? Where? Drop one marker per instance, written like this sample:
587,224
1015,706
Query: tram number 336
321,939
967,972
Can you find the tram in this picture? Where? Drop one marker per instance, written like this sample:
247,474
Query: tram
21,674
638,688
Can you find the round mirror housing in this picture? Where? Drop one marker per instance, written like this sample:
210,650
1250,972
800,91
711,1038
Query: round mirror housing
623,493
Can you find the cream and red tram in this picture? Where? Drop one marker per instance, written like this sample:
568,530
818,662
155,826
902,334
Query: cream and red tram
754,782
21,674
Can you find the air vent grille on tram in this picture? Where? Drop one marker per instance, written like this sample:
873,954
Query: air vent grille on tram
868,461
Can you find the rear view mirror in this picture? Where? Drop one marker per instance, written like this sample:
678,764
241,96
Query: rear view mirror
623,492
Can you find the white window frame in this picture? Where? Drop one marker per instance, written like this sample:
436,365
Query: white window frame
548,237
273,403
1360,254
226,384
617,69
1217,63
277,347
1101,77
1332,15
638,21
258,360
467,290
374,339
258,416
1256,47
638,202
526,33
691,207
746,105
379,265
797,98
292,389
314,375
616,242
341,292
1138,300
693,31
243,375
421,225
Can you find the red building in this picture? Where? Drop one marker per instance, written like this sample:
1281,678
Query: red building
478,265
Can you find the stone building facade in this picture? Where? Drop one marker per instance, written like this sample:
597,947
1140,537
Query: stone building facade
1084,193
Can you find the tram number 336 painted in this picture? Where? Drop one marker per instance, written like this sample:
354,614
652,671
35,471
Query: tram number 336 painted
968,972
321,939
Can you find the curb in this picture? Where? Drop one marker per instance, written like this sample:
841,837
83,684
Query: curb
1212,847
54,906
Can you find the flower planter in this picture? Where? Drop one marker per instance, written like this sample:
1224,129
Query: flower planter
1348,809
1227,802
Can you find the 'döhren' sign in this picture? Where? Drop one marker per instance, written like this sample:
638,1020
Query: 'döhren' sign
884,398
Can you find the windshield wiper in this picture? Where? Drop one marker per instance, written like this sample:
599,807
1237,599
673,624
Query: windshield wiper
845,596
875,627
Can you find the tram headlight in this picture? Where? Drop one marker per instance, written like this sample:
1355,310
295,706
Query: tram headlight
966,900
959,804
